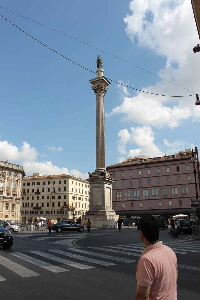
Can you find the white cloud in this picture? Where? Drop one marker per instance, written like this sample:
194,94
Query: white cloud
53,148
142,137
174,144
168,29
27,157
13,153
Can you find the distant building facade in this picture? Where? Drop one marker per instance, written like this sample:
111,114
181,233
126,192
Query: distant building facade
54,196
159,185
11,176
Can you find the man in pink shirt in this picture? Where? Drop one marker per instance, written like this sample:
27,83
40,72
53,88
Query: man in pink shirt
156,273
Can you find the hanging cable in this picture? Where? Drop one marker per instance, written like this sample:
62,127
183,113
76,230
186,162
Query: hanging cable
63,56
94,47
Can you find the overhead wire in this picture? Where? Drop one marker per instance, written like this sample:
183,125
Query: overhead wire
81,66
94,47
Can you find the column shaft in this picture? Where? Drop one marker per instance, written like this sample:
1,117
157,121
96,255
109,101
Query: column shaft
100,129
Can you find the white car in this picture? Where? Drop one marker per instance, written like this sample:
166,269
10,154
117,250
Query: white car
12,227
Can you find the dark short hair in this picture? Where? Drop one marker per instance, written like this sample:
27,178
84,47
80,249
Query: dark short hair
149,226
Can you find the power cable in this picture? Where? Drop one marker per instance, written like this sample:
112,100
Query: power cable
63,56
94,47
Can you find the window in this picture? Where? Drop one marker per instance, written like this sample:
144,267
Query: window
144,194
178,178
184,190
33,190
48,189
174,191
65,197
139,172
49,182
59,197
32,197
164,192
114,184
42,190
170,203
168,179
44,183
24,184
167,170
7,206
158,180
127,195
53,197
158,171
131,173
177,168
187,168
159,203
122,183
38,198
58,204
123,205
27,190
59,189
54,182
38,183
47,204
13,207
136,194
148,171
149,181
131,182
42,197
28,183
65,181
47,197
154,193
118,195
132,204
53,204
150,205
180,202
140,204
122,174
27,198
189,178
140,182
113,175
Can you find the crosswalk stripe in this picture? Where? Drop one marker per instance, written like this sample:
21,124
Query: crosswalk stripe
16,268
116,251
84,258
2,278
103,256
123,248
189,267
63,261
40,263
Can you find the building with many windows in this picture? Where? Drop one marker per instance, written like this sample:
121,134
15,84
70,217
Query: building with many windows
54,196
10,191
159,185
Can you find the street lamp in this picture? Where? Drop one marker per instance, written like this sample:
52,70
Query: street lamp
197,102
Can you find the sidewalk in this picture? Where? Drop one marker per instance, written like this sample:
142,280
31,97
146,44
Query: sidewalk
33,229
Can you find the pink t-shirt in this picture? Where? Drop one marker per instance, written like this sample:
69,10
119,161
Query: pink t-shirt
157,269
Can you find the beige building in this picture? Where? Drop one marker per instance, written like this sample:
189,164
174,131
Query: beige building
54,196
10,191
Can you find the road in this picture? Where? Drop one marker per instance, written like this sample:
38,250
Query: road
100,265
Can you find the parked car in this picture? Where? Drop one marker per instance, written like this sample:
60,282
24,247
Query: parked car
67,225
6,239
184,225
12,227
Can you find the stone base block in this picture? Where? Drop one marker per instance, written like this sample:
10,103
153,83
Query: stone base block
102,219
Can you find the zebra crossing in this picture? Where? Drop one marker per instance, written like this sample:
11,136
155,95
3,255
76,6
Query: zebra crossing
61,261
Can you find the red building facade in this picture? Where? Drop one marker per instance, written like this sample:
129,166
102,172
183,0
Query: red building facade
159,185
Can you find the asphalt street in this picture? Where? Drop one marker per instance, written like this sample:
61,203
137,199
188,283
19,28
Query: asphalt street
100,265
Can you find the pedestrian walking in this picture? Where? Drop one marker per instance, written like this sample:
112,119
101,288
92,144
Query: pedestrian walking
119,222
156,273
137,223
88,225
85,224
49,224
27,224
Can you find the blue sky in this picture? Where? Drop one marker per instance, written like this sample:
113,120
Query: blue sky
47,106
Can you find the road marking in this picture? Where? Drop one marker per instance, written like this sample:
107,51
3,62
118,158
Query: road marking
2,278
62,260
16,268
87,259
123,248
116,251
189,267
40,263
103,256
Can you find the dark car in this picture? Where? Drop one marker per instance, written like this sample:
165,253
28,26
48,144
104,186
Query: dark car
67,225
6,239
184,225
163,223
129,222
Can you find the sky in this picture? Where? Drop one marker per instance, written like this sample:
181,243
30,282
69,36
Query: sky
47,122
